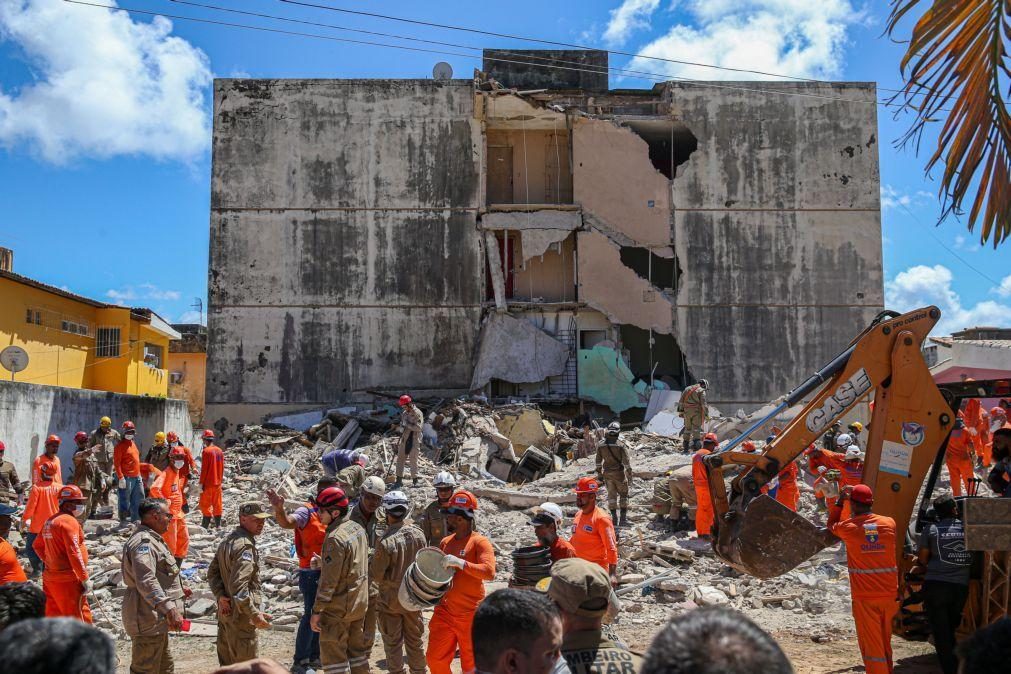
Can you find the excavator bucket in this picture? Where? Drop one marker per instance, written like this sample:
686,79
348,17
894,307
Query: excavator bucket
767,539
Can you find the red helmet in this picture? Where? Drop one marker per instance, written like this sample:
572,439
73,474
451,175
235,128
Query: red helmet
994,412
710,437
748,446
128,426
2,446
177,453
208,434
53,440
70,492
862,494
80,435
405,400
462,503
172,437
587,485
332,497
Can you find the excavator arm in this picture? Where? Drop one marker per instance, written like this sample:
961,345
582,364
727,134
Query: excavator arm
759,536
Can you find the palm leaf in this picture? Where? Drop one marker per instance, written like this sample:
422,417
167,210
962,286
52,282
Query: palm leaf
953,69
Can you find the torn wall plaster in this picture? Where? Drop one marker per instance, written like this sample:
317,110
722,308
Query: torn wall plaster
568,220
513,350
492,255
535,242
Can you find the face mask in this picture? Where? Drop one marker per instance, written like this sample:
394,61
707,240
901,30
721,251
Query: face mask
178,464
79,510
128,436
174,443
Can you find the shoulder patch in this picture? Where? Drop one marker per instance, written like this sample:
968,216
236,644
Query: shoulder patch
246,556
144,549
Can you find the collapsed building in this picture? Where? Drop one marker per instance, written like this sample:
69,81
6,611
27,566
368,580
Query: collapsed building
533,234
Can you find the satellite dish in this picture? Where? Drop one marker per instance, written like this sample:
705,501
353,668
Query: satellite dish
442,71
14,359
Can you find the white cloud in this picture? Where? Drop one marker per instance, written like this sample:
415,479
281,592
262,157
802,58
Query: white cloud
1004,289
921,286
145,291
892,198
153,292
630,16
791,37
191,316
106,85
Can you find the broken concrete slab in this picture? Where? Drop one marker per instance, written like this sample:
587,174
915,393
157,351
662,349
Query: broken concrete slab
517,499
535,242
525,428
554,219
514,350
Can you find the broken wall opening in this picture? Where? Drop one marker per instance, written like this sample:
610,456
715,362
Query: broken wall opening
662,272
671,143
533,273
529,166
663,357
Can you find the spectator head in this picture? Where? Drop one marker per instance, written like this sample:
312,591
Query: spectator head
325,482
1001,443
516,632
945,506
987,650
154,513
714,640
581,590
65,645
20,601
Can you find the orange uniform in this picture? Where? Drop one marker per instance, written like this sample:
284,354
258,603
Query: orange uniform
62,549
874,584
451,622
10,567
851,473
704,504
309,539
593,538
958,459
562,549
787,492
148,474
189,468
168,485
212,473
126,459
42,504
54,461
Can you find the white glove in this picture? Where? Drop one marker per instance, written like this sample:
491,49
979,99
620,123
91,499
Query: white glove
451,562
122,483
88,586
316,563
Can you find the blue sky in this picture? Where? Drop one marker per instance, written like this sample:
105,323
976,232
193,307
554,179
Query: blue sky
105,122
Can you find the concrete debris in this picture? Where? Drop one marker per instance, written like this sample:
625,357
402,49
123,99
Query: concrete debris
514,350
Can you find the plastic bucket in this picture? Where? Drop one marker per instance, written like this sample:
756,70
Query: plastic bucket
429,569
408,600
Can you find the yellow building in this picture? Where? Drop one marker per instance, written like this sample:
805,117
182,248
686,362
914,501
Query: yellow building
187,366
78,342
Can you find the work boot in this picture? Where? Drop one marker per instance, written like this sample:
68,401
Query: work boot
398,484
623,518
415,482
205,522
217,521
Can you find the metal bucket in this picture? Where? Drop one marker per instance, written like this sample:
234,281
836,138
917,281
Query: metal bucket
425,581
429,568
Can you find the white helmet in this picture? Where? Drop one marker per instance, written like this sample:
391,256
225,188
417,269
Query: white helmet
853,453
445,479
843,440
549,510
374,485
396,502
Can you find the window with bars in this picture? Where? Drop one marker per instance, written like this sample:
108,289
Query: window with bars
153,355
75,326
33,316
107,343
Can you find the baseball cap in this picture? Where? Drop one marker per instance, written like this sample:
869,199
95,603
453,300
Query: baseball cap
862,494
253,509
579,587
7,510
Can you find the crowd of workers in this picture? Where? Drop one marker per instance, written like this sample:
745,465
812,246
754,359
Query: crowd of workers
356,538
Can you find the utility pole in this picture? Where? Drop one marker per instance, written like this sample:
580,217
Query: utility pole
198,304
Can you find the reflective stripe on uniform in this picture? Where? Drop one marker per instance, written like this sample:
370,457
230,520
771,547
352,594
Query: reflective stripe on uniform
890,569
359,660
341,667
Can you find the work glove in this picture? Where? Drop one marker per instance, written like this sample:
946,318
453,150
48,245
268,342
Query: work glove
122,483
316,563
451,562
87,587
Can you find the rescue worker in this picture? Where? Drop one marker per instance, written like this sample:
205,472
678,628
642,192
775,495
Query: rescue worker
106,437
350,479
683,504
43,503
958,457
695,410
783,487
337,460
587,445
126,460
148,474
10,568
309,534
411,422
946,582
191,465
999,477
158,455
581,590
153,603
10,484
169,487
366,513
432,520
234,577
212,473
395,552
614,469
828,441
850,465
874,575
547,520
593,531
473,557
87,474
62,548
855,429
49,457
338,615
704,504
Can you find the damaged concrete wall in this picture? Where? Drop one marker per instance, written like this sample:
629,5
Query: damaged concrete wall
777,230
323,194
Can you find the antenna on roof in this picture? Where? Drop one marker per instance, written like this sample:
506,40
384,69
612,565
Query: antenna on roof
198,304
442,71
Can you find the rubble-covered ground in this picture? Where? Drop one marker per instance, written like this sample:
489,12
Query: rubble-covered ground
807,609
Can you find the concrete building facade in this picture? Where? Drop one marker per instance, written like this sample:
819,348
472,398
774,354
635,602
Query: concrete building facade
567,242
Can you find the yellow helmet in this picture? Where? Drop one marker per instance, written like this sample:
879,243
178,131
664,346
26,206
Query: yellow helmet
159,438
857,426
105,422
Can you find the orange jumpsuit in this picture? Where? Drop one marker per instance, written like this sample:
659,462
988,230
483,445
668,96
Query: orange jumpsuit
148,474
874,584
10,567
212,472
188,469
42,504
593,538
168,486
958,459
978,419
451,622
54,462
851,473
786,486
126,459
62,549
704,504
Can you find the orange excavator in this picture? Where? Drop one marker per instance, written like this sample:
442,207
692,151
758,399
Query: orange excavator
909,428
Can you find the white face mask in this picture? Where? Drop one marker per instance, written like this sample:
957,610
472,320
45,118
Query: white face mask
79,510
178,464
128,436
174,443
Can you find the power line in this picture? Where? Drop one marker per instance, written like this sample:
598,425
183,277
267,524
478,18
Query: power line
945,246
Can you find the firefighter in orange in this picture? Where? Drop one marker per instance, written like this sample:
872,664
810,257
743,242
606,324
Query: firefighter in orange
212,472
850,465
593,536
191,466
874,574
62,549
126,461
958,457
704,509
473,557
169,486
49,457
787,492
42,504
